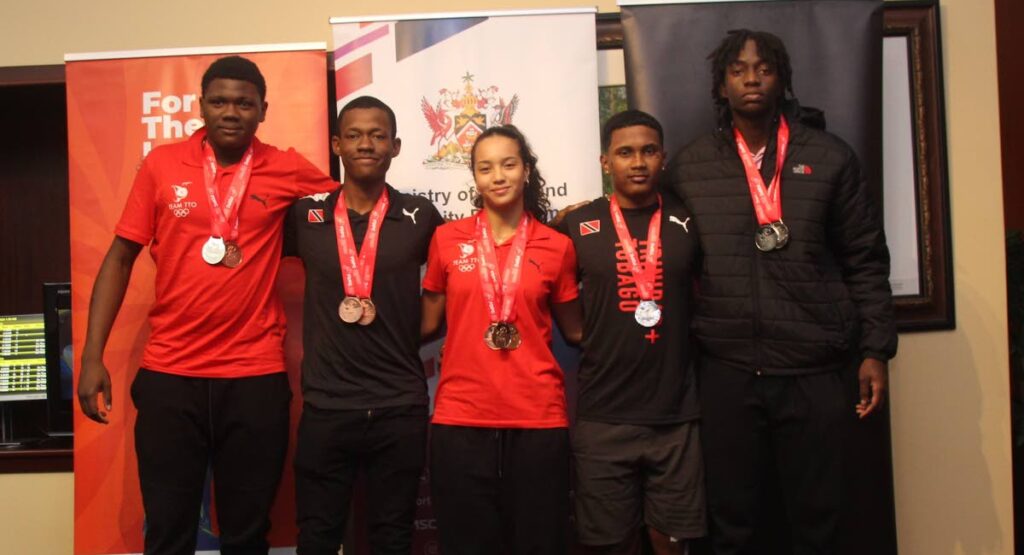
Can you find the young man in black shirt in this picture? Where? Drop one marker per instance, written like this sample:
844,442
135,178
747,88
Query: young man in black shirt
365,394
794,291
635,443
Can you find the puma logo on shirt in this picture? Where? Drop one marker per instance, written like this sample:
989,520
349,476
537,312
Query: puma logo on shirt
683,223
412,215
262,201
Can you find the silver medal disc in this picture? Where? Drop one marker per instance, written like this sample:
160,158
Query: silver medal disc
214,250
767,238
782,231
647,314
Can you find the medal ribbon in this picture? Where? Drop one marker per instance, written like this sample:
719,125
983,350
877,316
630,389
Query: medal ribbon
508,284
767,200
644,275
357,270
221,215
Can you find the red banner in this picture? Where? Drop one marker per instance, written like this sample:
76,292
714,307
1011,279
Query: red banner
118,110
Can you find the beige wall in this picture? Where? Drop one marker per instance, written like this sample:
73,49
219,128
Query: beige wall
951,422
951,432
36,513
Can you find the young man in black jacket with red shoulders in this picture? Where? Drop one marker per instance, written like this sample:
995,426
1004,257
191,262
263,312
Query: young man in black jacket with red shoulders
794,290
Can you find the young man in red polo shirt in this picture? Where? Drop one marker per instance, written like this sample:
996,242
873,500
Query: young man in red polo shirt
212,391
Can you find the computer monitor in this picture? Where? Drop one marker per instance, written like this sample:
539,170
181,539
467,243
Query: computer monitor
22,358
22,372
59,358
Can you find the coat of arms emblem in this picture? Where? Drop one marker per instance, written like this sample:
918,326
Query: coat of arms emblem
459,116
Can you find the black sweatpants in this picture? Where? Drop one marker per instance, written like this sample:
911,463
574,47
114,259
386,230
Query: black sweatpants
237,426
333,445
493,488
796,424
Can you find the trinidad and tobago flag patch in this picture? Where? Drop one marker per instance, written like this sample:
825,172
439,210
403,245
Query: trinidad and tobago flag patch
315,216
592,226
802,169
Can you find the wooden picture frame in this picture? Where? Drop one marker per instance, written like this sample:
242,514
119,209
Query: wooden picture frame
933,307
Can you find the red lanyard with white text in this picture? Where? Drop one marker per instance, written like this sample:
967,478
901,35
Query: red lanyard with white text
643,274
357,269
767,200
224,217
508,284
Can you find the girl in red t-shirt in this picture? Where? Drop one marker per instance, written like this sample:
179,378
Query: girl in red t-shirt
499,441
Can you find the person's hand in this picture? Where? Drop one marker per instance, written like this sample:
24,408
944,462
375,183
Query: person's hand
874,382
565,212
93,382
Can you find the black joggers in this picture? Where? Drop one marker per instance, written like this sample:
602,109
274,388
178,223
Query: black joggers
389,444
236,426
796,424
494,488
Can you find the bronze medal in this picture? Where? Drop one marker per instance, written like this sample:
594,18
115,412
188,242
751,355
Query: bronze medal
232,254
515,339
369,312
489,337
502,336
350,310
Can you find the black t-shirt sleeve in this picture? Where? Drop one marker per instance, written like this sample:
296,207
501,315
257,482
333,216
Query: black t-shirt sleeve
434,220
563,226
435,217
291,232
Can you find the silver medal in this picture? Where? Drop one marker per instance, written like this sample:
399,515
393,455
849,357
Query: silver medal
647,314
767,238
214,250
782,231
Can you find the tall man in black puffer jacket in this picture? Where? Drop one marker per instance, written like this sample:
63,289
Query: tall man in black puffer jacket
794,291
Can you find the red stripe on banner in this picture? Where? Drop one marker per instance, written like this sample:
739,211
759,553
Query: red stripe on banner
353,76
360,42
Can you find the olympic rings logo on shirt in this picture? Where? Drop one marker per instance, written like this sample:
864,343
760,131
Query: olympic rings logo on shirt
183,208
466,267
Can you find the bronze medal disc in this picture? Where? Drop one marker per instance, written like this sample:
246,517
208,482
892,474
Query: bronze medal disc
489,337
232,254
514,338
350,310
502,336
369,312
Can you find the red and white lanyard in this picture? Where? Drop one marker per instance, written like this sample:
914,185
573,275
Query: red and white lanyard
508,284
224,217
643,274
767,200
357,268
